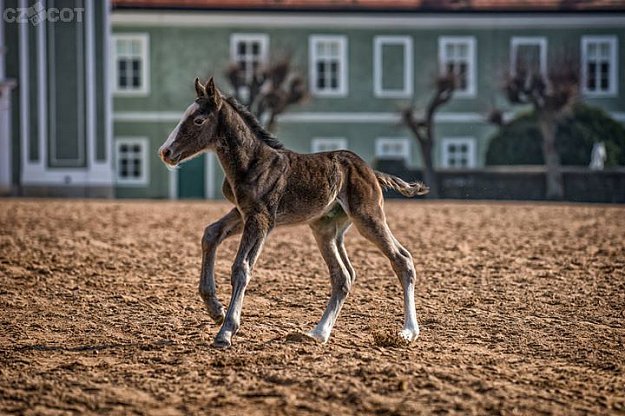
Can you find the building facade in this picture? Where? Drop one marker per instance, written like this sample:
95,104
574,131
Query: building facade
363,65
362,68
60,117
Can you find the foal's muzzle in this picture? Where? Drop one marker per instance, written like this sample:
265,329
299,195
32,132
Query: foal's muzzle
167,156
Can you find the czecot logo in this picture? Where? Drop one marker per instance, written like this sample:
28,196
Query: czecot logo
37,13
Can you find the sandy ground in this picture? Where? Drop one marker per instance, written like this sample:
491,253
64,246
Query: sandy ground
522,311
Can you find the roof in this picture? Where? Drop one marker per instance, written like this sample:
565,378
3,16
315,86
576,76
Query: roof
381,5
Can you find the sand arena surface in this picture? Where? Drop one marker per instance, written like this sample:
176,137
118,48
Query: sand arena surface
521,306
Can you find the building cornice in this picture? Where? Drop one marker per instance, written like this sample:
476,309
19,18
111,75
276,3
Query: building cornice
203,18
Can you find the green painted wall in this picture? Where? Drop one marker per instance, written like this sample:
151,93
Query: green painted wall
178,54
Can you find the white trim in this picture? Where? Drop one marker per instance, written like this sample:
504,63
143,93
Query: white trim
612,41
42,87
66,177
342,88
24,94
209,175
471,44
173,184
305,117
539,41
90,81
261,38
144,179
321,117
108,109
470,142
320,144
378,75
144,41
373,20
404,143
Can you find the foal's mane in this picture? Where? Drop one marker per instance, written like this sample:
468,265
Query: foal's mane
250,120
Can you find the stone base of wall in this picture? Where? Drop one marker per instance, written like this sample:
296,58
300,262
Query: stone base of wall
67,191
518,182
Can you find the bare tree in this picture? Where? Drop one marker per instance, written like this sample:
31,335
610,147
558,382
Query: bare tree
269,91
552,97
422,128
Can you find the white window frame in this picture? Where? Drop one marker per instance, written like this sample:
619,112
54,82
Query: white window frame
613,42
471,143
471,43
261,38
378,76
144,179
144,40
340,143
539,41
342,89
380,142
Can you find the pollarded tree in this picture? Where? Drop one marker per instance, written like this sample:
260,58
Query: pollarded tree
552,96
267,91
422,127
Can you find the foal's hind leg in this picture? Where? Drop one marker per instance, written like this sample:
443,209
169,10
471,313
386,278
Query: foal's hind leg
214,234
328,232
371,223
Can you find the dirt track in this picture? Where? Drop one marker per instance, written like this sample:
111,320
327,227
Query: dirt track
522,311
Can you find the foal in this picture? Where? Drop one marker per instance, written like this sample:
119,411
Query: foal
271,186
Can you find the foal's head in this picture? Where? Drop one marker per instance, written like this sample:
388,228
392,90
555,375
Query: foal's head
195,132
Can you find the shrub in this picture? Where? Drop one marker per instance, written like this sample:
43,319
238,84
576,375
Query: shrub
520,143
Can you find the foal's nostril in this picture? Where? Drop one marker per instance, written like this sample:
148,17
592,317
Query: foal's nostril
165,153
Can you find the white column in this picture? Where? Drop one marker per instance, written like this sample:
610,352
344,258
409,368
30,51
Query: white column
5,119
209,175
99,172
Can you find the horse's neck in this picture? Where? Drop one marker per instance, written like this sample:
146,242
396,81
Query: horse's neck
237,149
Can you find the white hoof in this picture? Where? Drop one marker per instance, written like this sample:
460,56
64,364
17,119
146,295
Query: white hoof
409,334
318,336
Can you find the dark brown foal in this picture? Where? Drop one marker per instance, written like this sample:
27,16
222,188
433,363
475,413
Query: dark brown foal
272,186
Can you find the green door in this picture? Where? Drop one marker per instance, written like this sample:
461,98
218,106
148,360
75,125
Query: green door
191,176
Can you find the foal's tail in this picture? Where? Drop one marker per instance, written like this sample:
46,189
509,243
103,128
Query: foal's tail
405,188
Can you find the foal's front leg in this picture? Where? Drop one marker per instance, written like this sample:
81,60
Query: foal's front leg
255,231
214,235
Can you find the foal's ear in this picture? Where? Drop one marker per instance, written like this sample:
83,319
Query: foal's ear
210,87
199,88
212,92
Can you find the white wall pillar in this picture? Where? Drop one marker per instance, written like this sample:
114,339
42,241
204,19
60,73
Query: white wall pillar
6,155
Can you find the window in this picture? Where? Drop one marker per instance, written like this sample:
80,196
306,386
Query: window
599,61
131,161
392,66
391,148
130,64
457,55
249,50
328,144
328,65
528,55
458,152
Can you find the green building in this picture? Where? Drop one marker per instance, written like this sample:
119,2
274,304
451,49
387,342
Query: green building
364,62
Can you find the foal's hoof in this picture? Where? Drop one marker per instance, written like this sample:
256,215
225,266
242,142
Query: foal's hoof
222,343
318,336
409,334
215,309
223,339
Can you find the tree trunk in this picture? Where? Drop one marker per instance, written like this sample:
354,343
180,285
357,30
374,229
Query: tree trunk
271,122
429,174
555,187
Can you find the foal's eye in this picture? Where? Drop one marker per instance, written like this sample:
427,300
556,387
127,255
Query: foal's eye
198,121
